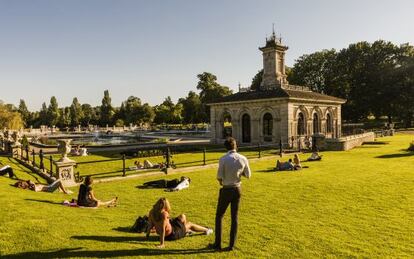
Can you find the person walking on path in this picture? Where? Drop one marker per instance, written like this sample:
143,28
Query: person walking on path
232,166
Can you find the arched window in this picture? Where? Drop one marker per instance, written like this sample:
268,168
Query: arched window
301,124
315,123
267,127
227,127
328,123
246,128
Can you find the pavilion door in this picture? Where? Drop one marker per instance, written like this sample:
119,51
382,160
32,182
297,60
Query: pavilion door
246,136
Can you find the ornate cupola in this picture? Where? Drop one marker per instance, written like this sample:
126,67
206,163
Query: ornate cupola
274,75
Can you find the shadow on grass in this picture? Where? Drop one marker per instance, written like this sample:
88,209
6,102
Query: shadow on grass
137,238
376,143
44,201
271,170
78,252
405,154
123,229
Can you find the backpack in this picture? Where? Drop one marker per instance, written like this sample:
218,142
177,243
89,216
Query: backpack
141,225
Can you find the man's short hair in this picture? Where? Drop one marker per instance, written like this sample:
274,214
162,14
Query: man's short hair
230,143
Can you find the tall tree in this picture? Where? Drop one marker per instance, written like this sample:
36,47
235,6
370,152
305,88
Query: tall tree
53,112
76,113
106,110
24,112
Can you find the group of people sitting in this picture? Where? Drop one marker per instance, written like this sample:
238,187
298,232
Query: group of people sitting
149,165
79,151
295,164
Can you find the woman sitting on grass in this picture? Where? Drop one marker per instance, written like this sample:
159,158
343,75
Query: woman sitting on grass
296,162
86,198
170,229
315,156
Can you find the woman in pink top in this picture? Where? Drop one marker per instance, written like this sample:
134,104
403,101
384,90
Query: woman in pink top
170,229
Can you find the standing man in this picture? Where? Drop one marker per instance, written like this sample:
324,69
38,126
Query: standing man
232,166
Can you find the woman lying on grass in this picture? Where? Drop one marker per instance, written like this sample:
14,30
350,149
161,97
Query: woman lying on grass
170,229
41,187
86,198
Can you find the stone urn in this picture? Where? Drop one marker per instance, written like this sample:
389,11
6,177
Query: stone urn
64,148
16,138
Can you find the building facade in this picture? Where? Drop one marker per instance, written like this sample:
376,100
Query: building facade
277,111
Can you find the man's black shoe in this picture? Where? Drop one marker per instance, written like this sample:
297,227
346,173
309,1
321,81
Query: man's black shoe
214,247
228,249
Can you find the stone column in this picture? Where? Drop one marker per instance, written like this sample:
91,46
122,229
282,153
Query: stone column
15,149
65,172
65,165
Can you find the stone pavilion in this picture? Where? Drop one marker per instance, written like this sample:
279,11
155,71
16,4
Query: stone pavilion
277,111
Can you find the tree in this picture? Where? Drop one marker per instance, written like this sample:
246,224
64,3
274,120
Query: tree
76,112
314,70
132,109
10,119
191,111
53,112
257,80
148,113
210,91
168,112
65,117
42,119
89,114
24,112
106,110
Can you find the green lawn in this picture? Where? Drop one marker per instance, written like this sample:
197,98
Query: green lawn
110,164
358,203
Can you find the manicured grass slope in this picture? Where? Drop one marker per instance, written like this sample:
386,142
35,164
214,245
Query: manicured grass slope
357,203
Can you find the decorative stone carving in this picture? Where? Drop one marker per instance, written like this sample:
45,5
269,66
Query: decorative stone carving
64,149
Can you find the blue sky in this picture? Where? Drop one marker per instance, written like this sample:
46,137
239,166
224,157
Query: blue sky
152,49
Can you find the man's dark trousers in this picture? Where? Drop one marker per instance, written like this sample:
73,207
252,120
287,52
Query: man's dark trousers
228,195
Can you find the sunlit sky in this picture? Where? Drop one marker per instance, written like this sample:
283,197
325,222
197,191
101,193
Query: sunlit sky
155,48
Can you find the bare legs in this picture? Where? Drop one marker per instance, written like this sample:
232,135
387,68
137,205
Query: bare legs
189,226
108,203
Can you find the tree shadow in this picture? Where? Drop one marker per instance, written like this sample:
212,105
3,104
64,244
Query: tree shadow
405,154
78,252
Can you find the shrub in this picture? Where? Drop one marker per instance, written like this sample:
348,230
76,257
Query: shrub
411,147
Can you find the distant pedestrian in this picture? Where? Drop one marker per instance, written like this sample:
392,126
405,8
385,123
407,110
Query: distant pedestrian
232,166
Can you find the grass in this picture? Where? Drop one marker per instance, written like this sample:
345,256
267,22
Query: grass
356,203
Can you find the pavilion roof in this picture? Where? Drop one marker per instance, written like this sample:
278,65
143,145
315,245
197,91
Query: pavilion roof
291,92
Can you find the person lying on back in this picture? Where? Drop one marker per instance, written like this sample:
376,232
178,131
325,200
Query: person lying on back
7,170
285,166
171,185
42,187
